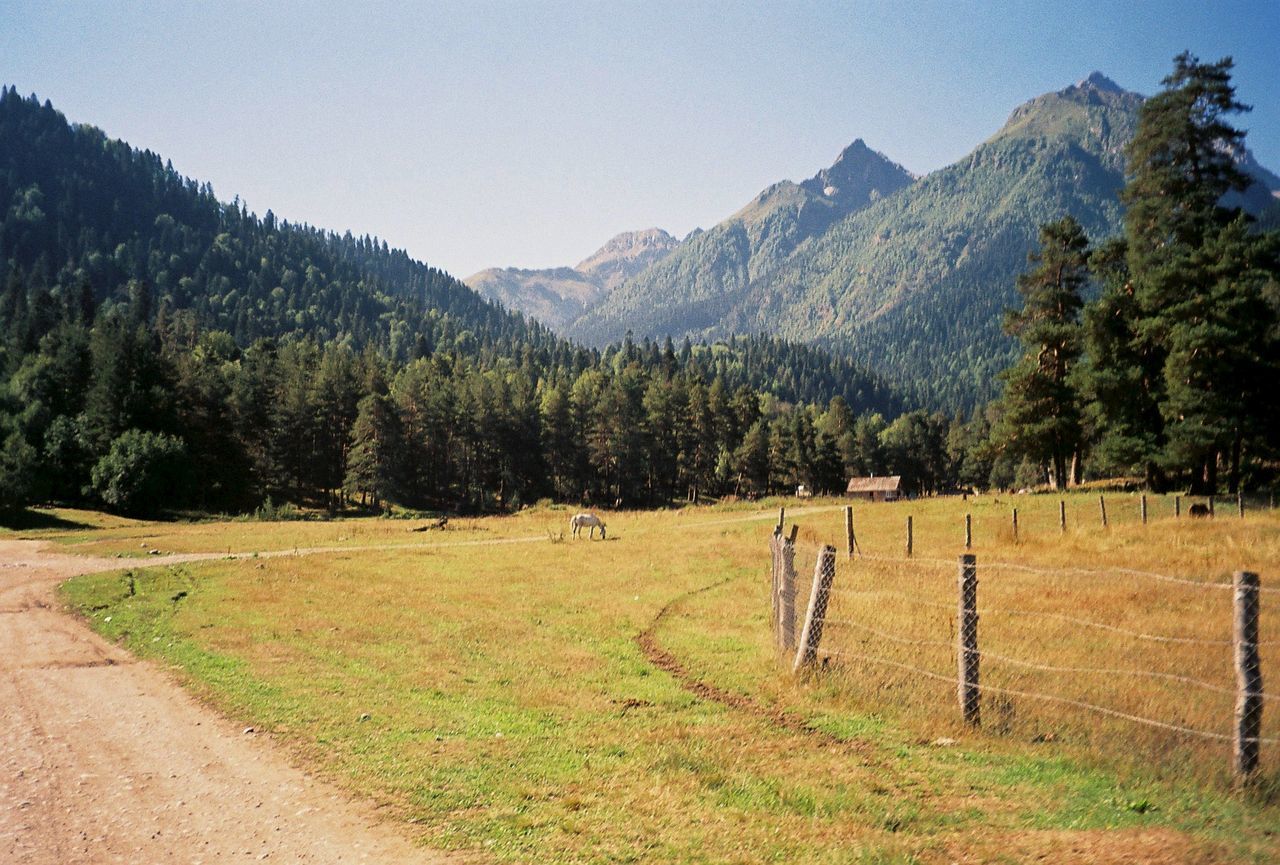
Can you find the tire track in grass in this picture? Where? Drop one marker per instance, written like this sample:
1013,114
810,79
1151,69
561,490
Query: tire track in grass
664,660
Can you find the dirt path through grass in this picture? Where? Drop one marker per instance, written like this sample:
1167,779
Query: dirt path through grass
105,759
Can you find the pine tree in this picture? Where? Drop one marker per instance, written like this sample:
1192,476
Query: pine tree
1041,419
1197,270
376,444
1121,376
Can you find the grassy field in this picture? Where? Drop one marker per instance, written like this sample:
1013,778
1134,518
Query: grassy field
487,685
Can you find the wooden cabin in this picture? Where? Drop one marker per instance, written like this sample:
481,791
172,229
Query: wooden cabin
876,489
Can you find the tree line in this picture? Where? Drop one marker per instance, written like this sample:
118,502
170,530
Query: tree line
114,405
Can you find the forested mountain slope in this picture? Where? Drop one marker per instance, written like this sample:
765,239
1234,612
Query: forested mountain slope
81,207
920,281
698,284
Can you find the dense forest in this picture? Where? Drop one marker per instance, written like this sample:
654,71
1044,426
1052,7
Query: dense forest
162,349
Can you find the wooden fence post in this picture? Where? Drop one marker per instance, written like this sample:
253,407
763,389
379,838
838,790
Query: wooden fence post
909,537
782,515
968,531
1248,715
1062,514
1177,507
1144,509
851,543
967,640
1240,502
824,572
1102,506
786,633
775,580
1211,513
1015,525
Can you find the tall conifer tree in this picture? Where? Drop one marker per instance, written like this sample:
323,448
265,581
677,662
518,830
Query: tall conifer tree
1198,273
1041,419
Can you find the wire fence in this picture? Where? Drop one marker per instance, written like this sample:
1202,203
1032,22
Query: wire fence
1155,667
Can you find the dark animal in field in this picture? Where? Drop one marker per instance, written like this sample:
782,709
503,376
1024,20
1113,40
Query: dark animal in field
1200,511
438,524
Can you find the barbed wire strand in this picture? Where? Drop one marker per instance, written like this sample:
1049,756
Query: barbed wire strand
1075,620
1052,571
1049,668
1052,698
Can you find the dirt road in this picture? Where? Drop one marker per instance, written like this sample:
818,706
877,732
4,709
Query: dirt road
104,758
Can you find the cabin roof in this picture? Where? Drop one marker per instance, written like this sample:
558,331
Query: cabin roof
884,484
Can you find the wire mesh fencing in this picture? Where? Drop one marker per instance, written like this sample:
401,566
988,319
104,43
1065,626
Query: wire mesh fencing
1165,669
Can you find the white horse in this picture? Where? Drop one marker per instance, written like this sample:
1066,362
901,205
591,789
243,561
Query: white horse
590,521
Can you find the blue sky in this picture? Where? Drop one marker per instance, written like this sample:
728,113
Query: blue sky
482,133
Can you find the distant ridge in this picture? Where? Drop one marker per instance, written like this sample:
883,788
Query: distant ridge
692,289
556,296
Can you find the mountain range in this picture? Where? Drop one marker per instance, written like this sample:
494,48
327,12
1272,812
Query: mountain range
909,275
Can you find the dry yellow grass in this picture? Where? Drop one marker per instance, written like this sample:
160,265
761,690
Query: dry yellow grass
1134,619
512,712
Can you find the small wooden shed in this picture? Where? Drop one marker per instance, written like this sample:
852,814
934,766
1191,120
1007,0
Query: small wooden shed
876,489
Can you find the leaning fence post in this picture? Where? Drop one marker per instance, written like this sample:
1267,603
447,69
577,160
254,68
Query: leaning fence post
968,531
1102,506
1015,525
851,543
1248,716
1062,514
775,583
824,572
1144,509
782,515
786,633
967,639
909,537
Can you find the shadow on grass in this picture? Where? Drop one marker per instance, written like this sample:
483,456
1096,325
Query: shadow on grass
27,519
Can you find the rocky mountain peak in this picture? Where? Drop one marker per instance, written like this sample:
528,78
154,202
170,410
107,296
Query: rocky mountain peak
625,255
628,246
1097,81
859,176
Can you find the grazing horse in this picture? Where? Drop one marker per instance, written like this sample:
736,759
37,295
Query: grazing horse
586,520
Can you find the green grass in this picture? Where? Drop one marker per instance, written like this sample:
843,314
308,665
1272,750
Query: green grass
497,697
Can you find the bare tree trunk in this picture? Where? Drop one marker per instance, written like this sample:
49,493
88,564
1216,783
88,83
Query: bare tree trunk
1233,476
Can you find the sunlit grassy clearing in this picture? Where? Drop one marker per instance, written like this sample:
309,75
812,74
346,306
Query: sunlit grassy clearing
510,710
